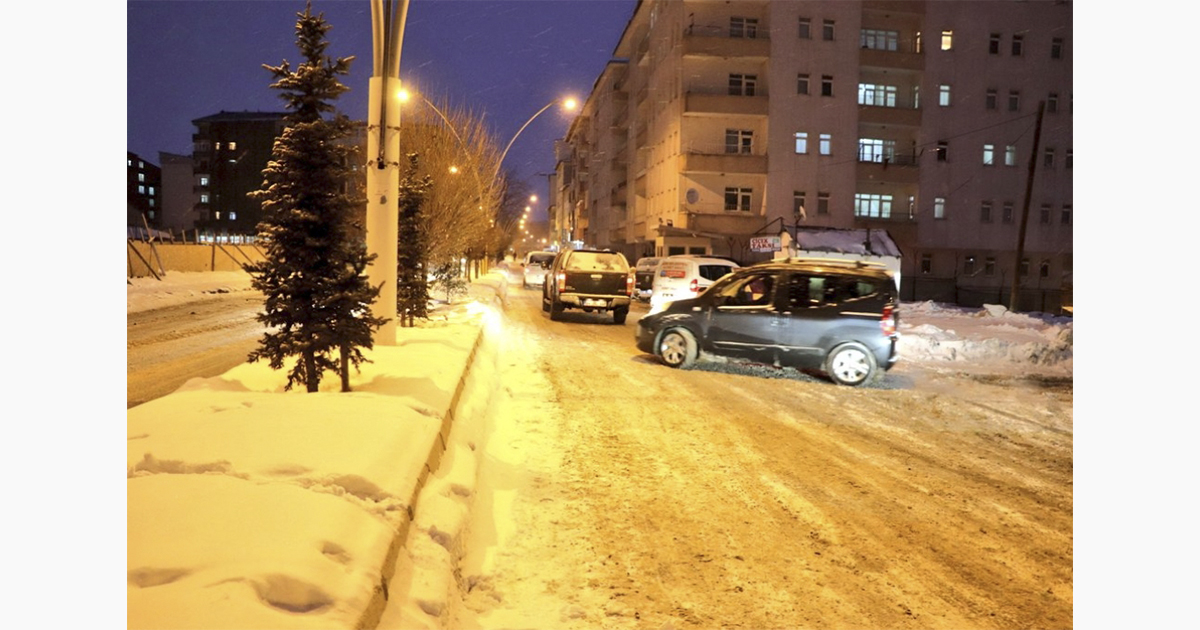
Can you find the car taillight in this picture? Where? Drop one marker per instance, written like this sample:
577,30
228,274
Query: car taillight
694,286
560,280
630,283
888,322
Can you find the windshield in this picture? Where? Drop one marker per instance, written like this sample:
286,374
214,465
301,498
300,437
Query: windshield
541,259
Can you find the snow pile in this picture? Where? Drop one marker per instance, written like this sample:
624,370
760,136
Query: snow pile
990,338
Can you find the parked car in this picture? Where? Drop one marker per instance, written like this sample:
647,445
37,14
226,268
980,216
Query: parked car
644,276
685,276
534,268
591,280
838,317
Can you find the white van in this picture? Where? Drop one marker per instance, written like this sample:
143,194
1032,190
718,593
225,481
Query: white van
534,268
685,276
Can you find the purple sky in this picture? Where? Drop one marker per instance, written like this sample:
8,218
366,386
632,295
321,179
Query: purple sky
192,58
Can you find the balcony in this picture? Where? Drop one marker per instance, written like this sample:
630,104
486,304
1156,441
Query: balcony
893,116
891,60
723,163
715,44
697,103
900,169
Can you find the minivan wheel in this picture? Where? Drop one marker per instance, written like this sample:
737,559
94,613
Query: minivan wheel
850,364
677,348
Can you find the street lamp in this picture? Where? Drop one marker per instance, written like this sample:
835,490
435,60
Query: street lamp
569,104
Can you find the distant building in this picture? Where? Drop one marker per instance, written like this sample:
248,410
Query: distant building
229,152
721,120
143,182
179,194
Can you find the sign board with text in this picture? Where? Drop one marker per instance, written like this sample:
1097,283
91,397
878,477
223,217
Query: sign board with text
765,244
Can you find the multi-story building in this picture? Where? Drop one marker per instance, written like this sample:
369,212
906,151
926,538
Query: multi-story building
724,120
143,183
179,194
229,152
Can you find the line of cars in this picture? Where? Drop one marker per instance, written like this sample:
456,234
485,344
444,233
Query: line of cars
834,316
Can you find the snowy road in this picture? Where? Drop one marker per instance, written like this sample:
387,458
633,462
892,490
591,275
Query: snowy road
616,492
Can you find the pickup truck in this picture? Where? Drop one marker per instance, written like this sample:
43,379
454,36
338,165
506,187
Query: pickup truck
590,280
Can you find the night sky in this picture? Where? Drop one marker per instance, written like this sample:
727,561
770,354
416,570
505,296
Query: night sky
192,58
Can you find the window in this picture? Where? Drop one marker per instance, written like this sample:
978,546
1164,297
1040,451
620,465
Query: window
1052,103
1044,269
1014,100
152,204
150,213
1045,214
805,28
985,212
141,190
1007,217
802,84
876,150
233,146
939,207
990,99
150,190
742,84
827,30
1066,214
204,198
943,148
129,162
825,144
989,266
875,39
1048,158
204,180
826,85
801,142
875,206
739,141
141,177
737,199
876,95
232,215
798,210
989,154
217,147
217,215
1024,269
969,266
926,263
947,40
944,95
1056,47
994,44
823,203
743,27
1018,45
1010,155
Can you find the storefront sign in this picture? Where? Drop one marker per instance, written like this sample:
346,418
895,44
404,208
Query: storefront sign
765,244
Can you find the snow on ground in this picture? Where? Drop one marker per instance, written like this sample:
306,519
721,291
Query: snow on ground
252,507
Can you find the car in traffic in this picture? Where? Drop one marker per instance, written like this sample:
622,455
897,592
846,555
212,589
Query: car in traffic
589,280
685,276
534,268
837,317
643,273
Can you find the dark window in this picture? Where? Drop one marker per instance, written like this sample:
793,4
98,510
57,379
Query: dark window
1018,45
1014,101
1056,46
989,266
802,84
713,272
1066,215
742,84
985,212
990,99
827,30
969,266
826,85
805,28
943,148
1052,103
926,263
1008,213
994,44
1044,269
1045,215
798,210
823,203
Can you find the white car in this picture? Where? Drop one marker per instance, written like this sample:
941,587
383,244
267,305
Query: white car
534,268
685,276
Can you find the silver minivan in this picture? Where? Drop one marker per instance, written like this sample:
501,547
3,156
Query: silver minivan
685,276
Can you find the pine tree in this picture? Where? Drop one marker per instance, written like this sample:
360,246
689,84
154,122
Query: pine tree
317,298
412,253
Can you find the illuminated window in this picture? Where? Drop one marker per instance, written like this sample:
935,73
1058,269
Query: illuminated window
947,40
232,215
1010,155
801,142
232,146
204,198
798,205
141,177
826,144
874,206
989,151
877,95
204,180
876,150
939,207
944,95
141,190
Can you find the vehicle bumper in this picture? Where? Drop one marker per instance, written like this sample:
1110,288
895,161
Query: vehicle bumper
644,337
603,302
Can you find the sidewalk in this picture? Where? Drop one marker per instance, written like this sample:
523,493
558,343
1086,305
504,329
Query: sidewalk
251,507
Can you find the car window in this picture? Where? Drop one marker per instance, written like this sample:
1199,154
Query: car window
712,272
541,259
602,261
751,290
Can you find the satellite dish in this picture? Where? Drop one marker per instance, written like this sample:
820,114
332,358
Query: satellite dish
692,195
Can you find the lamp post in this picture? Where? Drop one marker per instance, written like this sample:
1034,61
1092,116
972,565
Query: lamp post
383,162
569,104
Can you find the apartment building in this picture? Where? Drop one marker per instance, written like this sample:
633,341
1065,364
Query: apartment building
229,152
718,121
143,184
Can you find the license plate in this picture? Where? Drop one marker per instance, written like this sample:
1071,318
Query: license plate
594,303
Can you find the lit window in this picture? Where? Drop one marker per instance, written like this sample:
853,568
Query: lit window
128,162
801,142
827,30
216,146
141,177
874,206
141,190
232,215
826,144
939,207
151,190
204,180
1010,155
877,95
204,198
150,213
232,146
798,205
876,150
989,154
944,95
217,215
947,40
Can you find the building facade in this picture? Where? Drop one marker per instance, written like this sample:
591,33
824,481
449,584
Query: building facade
179,194
718,121
230,150
143,183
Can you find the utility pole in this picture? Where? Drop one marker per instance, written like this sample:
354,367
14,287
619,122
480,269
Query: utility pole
1016,279
383,160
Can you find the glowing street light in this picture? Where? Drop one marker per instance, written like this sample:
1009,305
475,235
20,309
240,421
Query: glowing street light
568,104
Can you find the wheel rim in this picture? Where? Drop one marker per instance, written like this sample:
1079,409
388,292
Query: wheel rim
673,348
851,365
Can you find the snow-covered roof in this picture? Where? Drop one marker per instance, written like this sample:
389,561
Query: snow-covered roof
845,241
